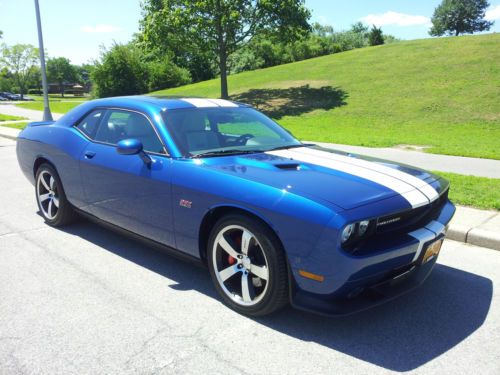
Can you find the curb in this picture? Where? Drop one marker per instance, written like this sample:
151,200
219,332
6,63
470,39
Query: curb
469,225
10,133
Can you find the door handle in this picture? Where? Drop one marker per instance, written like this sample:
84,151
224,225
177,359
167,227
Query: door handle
89,154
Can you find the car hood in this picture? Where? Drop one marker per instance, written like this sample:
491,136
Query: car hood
348,181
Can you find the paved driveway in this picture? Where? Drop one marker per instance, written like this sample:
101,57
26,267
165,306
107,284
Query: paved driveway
84,300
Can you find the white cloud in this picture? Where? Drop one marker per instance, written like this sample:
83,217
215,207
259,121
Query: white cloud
493,13
395,18
100,29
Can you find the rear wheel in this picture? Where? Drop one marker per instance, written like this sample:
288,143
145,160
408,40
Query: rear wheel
50,196
247,266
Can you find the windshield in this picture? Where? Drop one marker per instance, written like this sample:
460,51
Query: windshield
222,130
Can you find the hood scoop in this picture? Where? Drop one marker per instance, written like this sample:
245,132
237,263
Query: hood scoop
288,166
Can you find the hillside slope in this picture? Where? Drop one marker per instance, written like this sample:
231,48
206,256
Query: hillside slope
443,93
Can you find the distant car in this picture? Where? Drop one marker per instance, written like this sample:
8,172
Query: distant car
10,96
275,220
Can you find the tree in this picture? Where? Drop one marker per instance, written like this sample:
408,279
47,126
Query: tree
221,26
376,37
164,74
455,17
20,60
60,70
120,72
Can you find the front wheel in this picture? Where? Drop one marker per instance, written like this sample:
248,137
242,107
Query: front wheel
247,266
51,199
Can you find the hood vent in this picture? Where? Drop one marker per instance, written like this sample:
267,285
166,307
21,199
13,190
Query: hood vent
288,166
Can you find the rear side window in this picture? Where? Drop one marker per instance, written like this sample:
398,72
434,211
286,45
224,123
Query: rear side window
89,124
117,125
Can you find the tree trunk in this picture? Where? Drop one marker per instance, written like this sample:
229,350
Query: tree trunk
61,89
457,32
223,75
222,53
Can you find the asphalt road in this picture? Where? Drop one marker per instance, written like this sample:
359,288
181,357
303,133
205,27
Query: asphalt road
84,300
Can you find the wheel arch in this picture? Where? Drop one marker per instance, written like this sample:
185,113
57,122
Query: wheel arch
39,160
215,213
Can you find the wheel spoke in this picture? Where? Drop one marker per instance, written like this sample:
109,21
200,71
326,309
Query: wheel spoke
260,271
44,197
246,237
227,247
228,272
56,202
49,210
44,183
245,288
52,183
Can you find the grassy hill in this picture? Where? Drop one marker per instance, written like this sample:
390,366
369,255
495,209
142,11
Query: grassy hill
443,93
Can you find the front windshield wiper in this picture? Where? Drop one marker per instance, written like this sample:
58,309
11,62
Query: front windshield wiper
291,146
232,151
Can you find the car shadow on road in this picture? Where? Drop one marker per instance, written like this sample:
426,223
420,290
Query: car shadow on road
293,101
401,335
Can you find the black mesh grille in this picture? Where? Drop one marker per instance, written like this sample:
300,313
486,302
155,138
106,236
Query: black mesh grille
413,218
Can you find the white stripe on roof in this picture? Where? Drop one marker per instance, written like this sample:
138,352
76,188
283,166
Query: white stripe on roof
204,103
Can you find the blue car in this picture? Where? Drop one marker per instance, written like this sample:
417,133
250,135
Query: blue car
276,221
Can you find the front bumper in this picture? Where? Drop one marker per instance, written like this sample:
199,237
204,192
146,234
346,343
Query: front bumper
361,283
368,294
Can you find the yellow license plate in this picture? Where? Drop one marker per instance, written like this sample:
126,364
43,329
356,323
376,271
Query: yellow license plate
432,251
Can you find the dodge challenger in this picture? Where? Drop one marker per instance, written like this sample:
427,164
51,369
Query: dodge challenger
275,220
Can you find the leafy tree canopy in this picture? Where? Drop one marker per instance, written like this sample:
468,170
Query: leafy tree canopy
60,71
455,17
376,37
20,60
220,27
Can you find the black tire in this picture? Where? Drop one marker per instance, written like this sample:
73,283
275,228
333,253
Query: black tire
48,197
264,254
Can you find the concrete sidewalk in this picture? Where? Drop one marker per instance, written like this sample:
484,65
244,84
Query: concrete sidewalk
29,114
442,163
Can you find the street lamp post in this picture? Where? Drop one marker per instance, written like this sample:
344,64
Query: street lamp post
47,116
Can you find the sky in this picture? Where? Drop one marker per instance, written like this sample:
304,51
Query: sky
77,29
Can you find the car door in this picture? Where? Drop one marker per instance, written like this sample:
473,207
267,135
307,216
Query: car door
122,189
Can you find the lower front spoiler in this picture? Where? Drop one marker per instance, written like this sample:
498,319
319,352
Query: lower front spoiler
370,296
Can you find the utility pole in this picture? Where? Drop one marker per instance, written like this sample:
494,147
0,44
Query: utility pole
47,116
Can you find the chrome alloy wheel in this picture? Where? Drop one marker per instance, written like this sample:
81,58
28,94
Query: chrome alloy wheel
47,194
240,265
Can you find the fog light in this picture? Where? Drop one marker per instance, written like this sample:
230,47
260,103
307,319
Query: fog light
363,227
347,232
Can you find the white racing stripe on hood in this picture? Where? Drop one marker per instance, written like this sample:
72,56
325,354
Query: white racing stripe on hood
417,183
413,196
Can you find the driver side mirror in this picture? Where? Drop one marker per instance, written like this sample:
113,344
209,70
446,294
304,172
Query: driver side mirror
133,146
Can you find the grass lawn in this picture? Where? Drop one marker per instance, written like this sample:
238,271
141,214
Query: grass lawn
479,192
56,102
16,125
442,93
9,118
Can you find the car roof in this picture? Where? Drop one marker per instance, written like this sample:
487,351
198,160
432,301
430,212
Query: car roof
168,103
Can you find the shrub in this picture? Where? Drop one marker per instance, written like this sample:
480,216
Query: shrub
165,74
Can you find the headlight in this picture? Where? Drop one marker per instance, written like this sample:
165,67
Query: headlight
363,227
347,232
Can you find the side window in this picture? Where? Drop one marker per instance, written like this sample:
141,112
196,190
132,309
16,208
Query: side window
89,124
117,125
